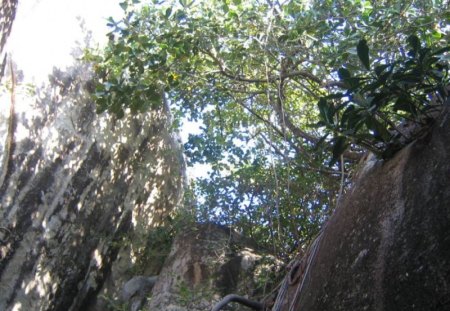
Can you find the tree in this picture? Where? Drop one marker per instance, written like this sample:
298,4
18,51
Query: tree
253,72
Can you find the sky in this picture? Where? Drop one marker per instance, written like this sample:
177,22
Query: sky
45,32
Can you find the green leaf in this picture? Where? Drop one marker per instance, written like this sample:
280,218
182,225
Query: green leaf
339,147
107,86
414,43
326,111
119,113
335,96
225,7
343,74
403,104
424,55
349,117
100,109
441,51
124,5
168,12
363,53
359,99
318,124
380,69
322,141
111,22
380,132
353,83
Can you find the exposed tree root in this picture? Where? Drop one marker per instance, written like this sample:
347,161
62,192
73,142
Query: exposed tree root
255,305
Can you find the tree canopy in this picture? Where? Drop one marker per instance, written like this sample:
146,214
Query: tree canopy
290,94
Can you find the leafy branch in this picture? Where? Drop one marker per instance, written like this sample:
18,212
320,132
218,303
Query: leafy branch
387,107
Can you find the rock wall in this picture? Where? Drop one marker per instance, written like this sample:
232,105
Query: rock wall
387,246
79,193
206,263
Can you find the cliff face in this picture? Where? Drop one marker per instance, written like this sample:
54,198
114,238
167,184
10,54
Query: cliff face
387,247
79,194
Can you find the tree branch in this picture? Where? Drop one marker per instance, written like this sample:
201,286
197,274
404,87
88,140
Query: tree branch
298,149
283,117
275,148
296,73
256,115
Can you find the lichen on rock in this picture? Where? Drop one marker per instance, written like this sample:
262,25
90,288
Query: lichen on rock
83,192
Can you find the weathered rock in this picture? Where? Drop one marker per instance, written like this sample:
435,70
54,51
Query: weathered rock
8,10
387,247
206,263
80,194
135,291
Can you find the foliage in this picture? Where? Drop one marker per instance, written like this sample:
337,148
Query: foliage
152,250
192,297
158,244
251,72
385,108
113,304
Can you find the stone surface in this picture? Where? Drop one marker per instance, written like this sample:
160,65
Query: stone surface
387,246
79,194
206,263
135,291
8,10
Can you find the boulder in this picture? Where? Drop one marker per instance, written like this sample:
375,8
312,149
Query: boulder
387,246
206,263
135,291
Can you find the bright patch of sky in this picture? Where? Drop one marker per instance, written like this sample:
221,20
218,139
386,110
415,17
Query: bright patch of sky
45,32
194,128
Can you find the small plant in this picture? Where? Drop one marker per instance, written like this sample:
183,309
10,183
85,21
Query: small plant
186,294
113,304
196,296
158,242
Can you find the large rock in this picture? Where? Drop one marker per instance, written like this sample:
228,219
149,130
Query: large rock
387,247
206,263
79,194
135,291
